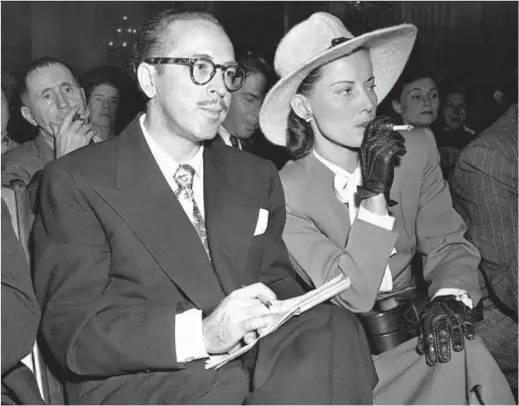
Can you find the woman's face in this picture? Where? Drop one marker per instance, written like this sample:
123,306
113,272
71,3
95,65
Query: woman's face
344,100
103,105
419,102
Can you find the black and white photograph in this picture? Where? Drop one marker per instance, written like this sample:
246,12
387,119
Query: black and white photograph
259,202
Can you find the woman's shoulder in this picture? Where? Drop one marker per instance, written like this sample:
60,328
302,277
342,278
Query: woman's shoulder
293,170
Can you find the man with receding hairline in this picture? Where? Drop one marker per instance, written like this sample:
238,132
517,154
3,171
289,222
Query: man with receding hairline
52,101
158,248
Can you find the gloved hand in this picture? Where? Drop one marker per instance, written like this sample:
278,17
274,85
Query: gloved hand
379,154
444,322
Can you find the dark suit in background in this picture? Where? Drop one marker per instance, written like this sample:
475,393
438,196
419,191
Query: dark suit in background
20,319
116,258
484,191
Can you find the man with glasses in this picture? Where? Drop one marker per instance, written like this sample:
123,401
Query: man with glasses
159,247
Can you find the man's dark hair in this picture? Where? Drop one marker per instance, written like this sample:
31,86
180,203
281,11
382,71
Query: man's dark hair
42,62
151,39
252,65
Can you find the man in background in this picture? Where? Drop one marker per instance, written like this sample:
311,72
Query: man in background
484,192
240,129
52,101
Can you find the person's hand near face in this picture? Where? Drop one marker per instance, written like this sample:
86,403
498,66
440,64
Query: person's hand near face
72,133
52,100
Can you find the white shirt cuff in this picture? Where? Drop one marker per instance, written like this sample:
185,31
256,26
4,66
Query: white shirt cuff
189,340
460,295
385,221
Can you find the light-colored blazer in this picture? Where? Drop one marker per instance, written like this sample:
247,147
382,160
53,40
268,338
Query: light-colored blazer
320,239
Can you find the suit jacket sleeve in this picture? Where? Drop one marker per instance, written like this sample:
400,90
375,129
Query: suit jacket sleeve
20,310
90,328
276,270
14,166
450,260
318,259
485,194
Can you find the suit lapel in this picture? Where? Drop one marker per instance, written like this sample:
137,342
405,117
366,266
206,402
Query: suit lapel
230,215
144,200
334,214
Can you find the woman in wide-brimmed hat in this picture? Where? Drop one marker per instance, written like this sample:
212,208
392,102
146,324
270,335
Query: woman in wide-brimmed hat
352,199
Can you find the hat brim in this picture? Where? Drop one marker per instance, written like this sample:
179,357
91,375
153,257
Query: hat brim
389,49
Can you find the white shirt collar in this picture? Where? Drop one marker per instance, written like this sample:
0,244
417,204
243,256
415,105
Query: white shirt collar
226,136
336,169
168,165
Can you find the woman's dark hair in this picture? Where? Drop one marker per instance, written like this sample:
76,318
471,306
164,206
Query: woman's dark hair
300,136
130,101
412,72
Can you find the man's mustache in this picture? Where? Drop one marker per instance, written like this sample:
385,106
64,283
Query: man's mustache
213,103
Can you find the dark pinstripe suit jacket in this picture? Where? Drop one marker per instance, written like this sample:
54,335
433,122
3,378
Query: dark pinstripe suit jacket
484,190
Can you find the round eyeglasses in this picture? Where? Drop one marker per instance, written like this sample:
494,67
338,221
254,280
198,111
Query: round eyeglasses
203,70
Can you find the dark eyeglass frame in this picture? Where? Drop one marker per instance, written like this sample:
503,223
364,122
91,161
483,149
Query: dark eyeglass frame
191,63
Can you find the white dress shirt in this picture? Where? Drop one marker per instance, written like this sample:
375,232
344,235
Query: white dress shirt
226,137
189,341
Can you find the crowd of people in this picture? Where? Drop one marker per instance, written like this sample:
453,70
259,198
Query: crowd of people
176,216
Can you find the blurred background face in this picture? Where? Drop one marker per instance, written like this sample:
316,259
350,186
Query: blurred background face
189,110
103,105
7,143
5,114
454,110
419,102
344,100
52,92
242,119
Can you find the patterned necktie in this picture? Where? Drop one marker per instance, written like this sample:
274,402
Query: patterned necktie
184,178
234,142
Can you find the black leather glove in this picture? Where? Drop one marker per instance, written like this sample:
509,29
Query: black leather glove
379,154
444,322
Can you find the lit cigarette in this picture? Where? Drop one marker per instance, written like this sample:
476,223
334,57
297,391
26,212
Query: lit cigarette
403,127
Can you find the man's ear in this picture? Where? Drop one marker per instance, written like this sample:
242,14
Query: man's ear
27,114
146,76
300,106
396,106
83,96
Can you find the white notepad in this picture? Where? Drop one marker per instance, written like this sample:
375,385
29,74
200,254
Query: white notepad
307,301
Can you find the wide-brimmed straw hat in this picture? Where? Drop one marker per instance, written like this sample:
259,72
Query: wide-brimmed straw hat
318,40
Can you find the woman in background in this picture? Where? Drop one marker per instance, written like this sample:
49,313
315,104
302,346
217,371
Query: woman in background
113,100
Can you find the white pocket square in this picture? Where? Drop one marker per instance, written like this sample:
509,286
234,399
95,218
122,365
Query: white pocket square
263,220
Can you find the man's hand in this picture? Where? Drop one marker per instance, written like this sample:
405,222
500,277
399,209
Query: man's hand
239,316
444,322
379,154
71,135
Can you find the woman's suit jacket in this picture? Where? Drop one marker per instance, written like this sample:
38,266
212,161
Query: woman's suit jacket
320,239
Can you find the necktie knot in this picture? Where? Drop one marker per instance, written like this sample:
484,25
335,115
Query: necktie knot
184,177
234,141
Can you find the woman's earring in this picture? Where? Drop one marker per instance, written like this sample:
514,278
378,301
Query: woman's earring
308,118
